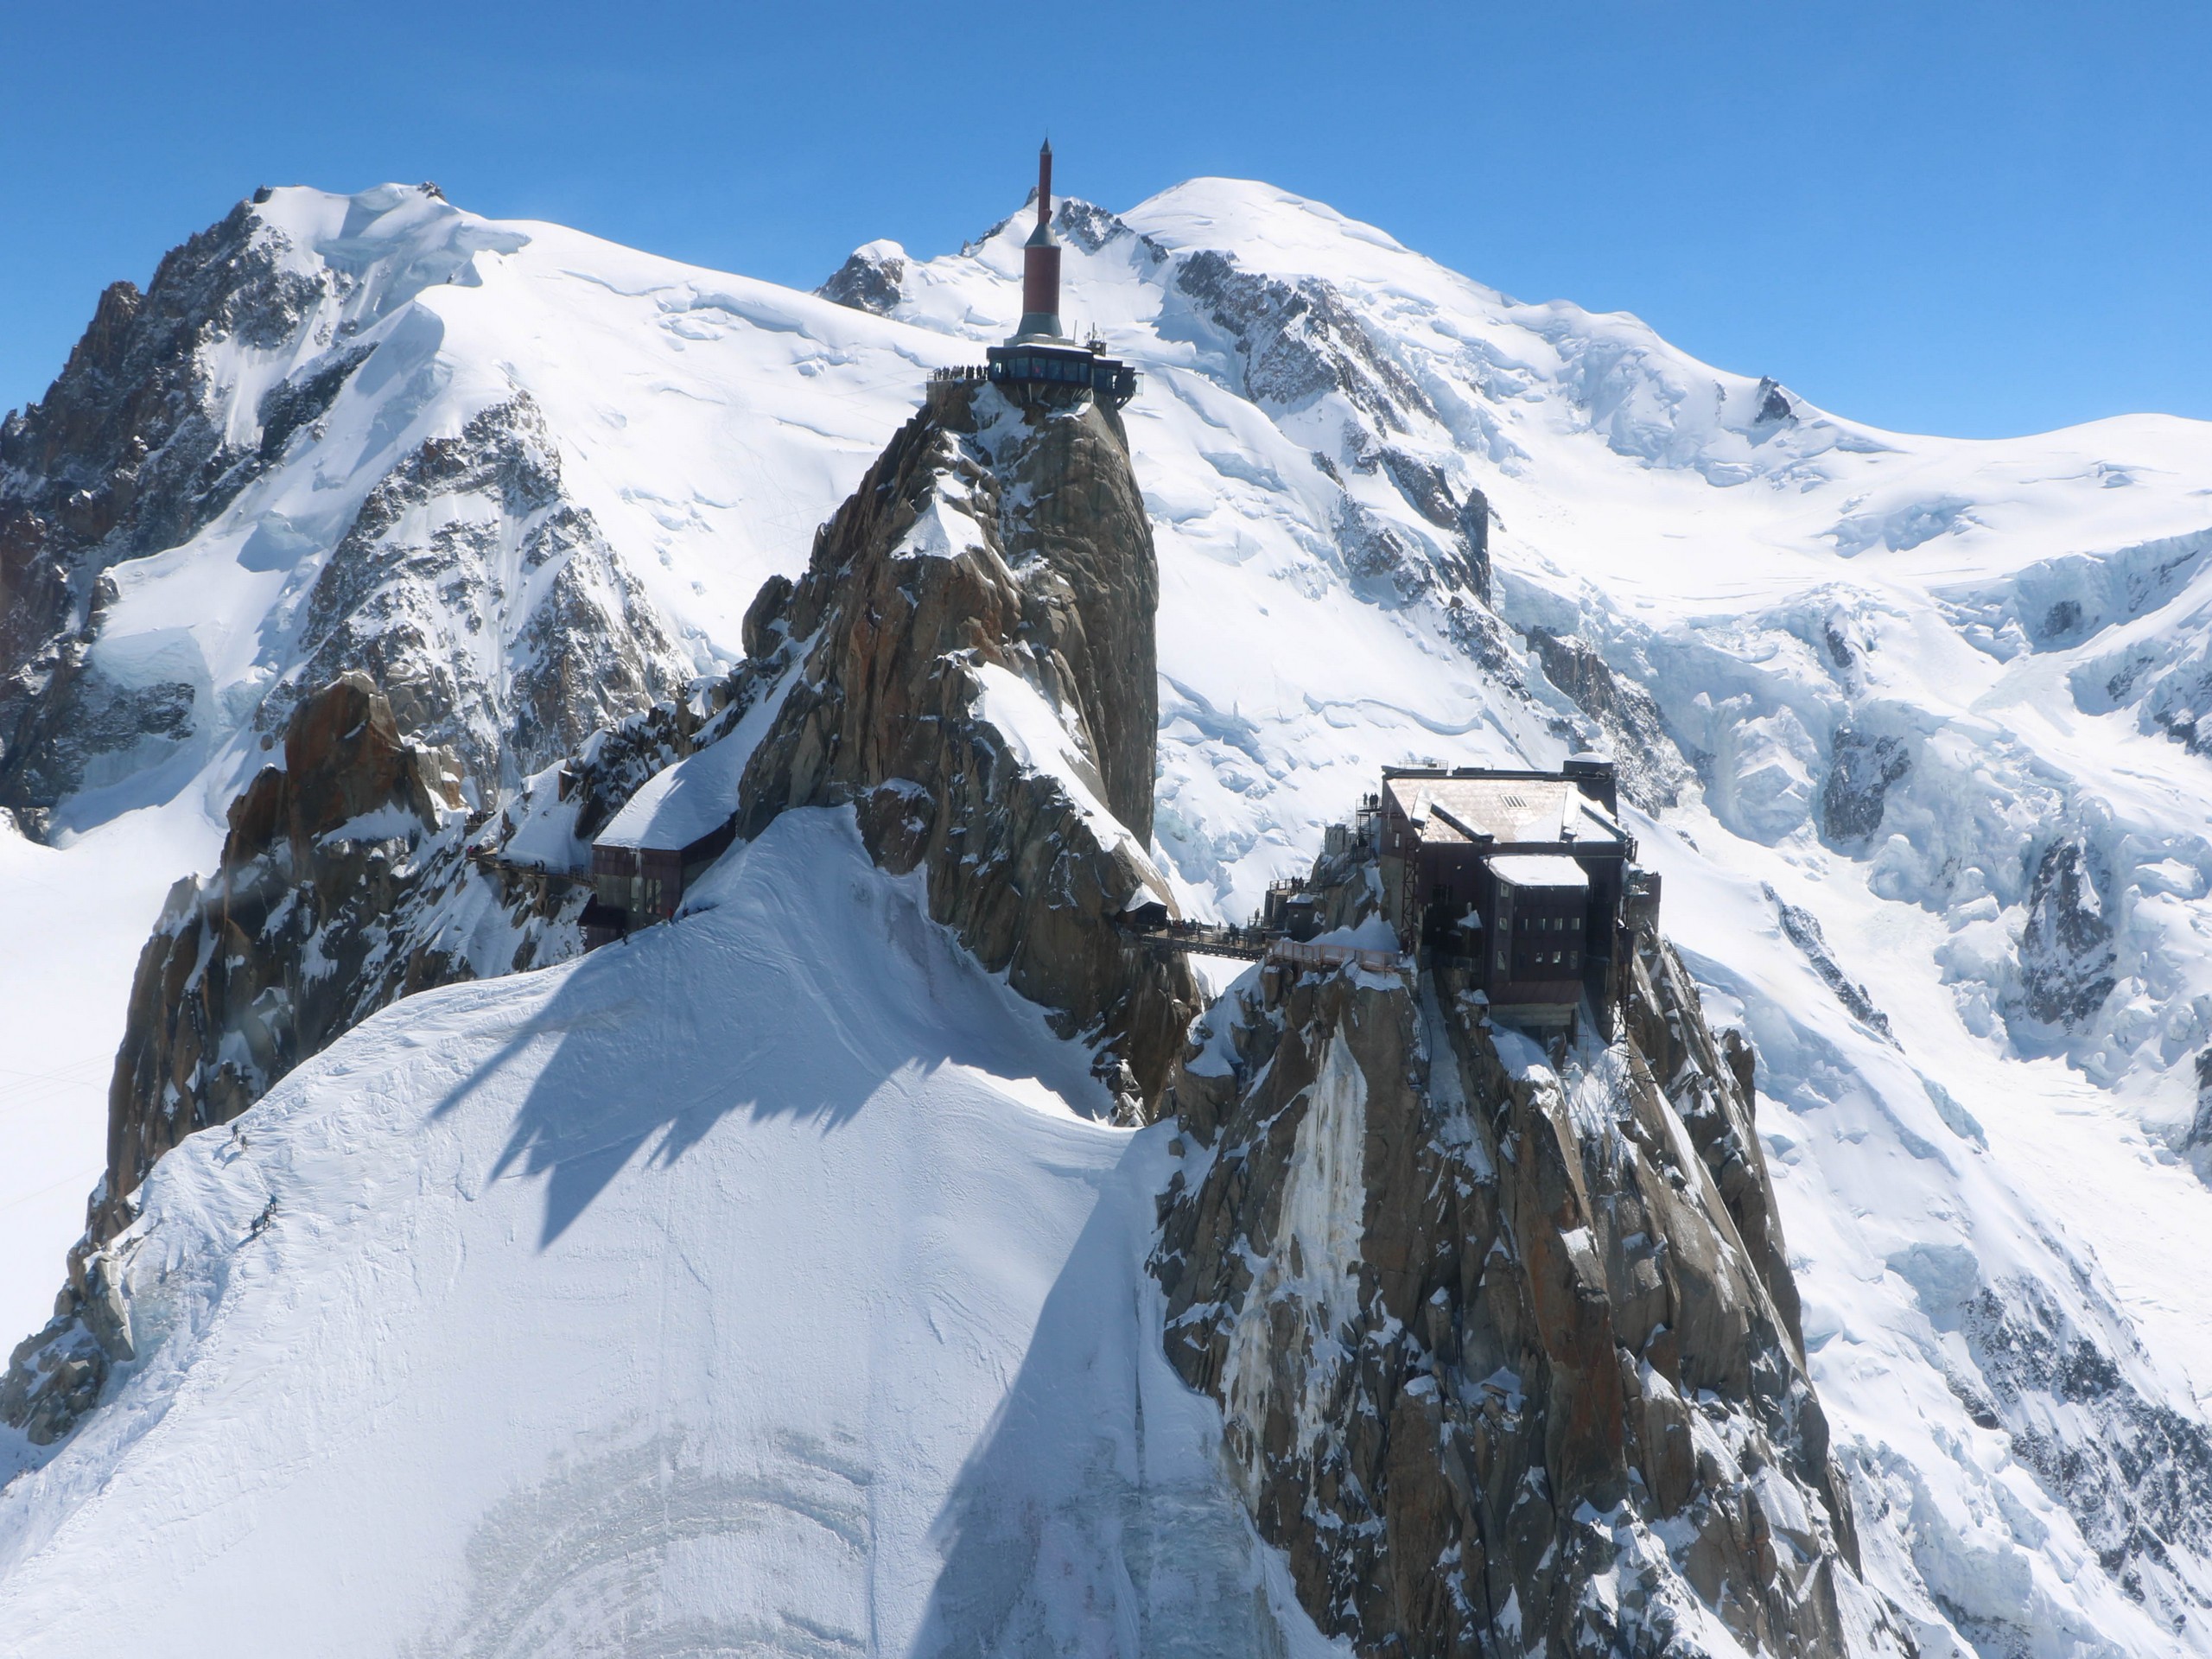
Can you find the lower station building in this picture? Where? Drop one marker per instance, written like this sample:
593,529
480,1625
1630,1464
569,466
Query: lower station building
671,833
1521,876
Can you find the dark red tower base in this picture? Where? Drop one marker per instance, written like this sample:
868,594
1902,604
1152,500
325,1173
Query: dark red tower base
1040,281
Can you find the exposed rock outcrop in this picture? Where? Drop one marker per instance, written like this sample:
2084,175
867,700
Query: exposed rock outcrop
127,454
2196,1139
969,661
1473,525
1300,346
2135,1472
1506,1343
1775,406
485,601
349,879
1802,929
1652,772
1297,340
869,281
290,942
1865,768
2067,958
487,605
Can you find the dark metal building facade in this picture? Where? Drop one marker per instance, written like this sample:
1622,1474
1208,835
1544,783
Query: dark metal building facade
1518,875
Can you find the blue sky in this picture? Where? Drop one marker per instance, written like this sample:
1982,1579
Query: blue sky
1954,217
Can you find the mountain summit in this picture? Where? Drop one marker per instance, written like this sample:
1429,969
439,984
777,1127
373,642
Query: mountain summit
804,1274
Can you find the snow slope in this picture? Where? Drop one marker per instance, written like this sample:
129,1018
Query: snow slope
72,924
1977,1195
654,1303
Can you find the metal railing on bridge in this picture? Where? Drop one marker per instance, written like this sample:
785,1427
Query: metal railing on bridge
1254,945
1249,942
1365,957
489,859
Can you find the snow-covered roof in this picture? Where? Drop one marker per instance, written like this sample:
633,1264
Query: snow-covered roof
683,804
1540,870
1502,808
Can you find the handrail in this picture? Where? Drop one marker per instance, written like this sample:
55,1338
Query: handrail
1334,955
1247,942
486,858
1253,945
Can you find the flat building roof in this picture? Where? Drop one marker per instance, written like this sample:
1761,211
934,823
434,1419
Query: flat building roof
1540,870
1509,809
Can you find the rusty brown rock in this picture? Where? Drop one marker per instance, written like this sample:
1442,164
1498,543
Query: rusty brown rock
214,969
1521,1336
324,908
876,655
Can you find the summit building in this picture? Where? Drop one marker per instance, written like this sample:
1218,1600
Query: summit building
1040,355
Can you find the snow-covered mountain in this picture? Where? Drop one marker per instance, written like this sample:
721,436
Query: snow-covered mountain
1911,724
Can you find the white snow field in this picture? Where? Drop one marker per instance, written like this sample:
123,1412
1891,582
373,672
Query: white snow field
71,926
386,1372
748,1288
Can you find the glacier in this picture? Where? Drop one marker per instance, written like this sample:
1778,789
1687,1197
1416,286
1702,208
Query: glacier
1909,724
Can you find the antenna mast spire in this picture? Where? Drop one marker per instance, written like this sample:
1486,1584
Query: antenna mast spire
1040,262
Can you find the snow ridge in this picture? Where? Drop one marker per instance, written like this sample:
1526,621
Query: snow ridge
1940,698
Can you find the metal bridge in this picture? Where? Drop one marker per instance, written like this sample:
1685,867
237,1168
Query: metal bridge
1253,945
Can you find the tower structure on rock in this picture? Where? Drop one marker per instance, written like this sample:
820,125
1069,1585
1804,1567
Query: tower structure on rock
1039,362
1040,266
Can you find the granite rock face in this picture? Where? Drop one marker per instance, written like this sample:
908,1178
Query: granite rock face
487,606
969,662
2135,1472
1653,773
869,281
129,453
1505,1340
1802,929
486,603
225,1002
1852,799
1300,348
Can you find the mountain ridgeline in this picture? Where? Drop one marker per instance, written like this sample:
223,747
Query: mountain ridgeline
1483,1328
1498,1340
968,662
487,604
